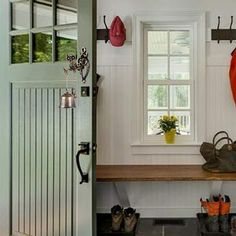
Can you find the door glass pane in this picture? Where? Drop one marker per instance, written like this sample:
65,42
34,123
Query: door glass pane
183,121
20,15
179,42
42,13
158,42
179,68
66,12
66,43
42,47
157,97
20,48
157,68
180,96
153,126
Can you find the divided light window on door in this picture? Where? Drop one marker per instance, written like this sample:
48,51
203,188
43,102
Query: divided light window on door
43,30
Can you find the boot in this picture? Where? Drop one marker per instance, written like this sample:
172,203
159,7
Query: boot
224,214
130,219
212,209
117,217
233,226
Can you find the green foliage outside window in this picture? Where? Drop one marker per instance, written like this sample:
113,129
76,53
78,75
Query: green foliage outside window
20,48
42,48
65,46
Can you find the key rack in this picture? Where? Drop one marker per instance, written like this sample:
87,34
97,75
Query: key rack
224,34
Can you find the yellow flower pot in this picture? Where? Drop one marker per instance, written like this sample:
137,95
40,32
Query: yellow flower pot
170,136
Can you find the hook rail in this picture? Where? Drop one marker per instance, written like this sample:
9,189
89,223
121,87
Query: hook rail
224,34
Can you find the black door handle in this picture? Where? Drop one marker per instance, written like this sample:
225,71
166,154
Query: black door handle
83,150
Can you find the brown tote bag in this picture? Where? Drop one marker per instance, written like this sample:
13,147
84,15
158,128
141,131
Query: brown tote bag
221,160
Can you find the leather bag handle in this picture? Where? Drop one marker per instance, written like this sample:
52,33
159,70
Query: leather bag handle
230,141
216,151
218,133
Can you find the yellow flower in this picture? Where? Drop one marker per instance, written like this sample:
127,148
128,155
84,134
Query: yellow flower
165,118
173,118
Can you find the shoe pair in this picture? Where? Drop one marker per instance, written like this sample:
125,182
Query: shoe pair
126,216
217,209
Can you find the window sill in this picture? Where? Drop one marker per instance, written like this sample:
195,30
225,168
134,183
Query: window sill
165,149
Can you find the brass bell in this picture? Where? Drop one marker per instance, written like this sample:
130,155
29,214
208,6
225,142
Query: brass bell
67,100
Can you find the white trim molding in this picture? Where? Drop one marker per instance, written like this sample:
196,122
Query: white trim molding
196,20
163,149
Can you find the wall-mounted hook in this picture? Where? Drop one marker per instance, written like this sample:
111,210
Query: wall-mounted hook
107,30
103,34
218,30
228,34
230,28
104,21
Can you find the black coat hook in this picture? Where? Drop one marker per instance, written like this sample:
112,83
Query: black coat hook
219,34
231,23
218,29
104,21
103,34
107,30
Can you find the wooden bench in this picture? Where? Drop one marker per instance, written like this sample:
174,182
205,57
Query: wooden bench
120,173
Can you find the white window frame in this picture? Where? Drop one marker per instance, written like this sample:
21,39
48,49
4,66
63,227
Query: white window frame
196,22
159,138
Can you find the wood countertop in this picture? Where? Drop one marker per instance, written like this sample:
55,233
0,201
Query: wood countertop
119,173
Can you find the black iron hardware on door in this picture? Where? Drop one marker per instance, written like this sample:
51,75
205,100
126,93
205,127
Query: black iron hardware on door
82,64
83,150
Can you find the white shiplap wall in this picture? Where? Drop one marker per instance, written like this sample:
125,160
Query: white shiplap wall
115,110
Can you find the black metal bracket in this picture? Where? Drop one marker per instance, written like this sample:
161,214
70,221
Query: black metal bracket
224,34
95,91
103,34
85,91
85,151
82,64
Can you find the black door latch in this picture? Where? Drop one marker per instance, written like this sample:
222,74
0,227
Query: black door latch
85,151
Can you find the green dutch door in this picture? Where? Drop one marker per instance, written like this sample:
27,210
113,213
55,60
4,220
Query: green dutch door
41,189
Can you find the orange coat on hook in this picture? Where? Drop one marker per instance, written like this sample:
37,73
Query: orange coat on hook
232,74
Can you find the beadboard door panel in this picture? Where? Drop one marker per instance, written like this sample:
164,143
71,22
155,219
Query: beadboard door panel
42,161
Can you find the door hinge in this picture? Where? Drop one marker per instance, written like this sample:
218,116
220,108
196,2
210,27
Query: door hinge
94,148
95,91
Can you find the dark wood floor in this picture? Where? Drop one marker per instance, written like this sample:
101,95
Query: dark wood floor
152,227
147,227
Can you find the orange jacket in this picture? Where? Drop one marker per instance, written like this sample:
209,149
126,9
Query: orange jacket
232,74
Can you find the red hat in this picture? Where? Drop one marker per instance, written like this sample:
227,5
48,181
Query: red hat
117,32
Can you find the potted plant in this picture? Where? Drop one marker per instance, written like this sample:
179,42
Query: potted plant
168,125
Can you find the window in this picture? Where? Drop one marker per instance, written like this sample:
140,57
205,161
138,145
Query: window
43,30
170,76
